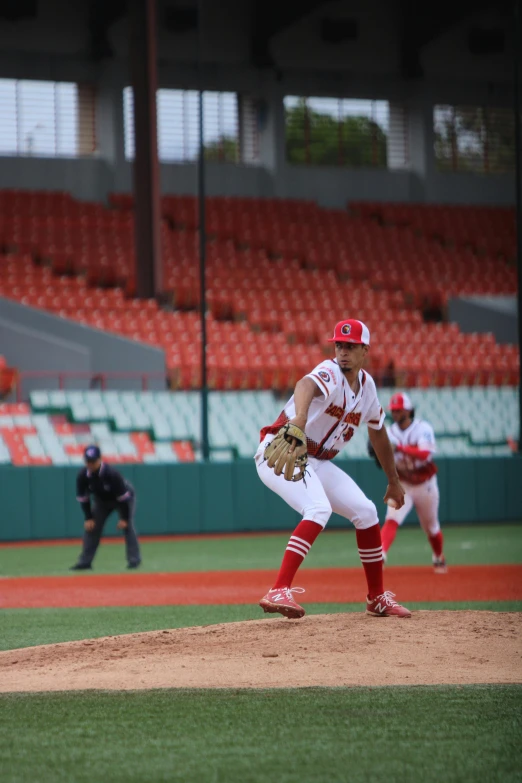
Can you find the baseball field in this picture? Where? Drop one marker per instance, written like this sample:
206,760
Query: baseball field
173,673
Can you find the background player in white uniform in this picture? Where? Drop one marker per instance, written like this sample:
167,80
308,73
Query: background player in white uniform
413,441
329,404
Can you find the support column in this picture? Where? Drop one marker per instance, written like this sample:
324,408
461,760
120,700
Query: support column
517,109
86,115
110,133
272,150
421,140
149,281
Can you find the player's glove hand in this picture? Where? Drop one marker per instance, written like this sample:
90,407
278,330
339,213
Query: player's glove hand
372,453
287,452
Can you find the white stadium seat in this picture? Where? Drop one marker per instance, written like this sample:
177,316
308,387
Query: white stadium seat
467,421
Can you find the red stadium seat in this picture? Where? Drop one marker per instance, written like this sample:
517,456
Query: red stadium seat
277,271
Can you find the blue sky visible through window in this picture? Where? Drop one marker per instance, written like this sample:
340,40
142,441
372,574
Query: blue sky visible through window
38,118
178,121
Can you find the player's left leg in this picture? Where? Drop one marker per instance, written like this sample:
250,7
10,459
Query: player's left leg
426,498
348,500
132,547
91,538
308,498
394,519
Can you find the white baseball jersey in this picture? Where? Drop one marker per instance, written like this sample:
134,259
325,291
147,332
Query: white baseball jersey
334,416
421,435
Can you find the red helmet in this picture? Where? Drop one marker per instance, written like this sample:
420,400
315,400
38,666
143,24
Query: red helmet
400,402
351,331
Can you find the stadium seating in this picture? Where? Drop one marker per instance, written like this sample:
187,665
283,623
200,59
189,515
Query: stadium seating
486,230
159,427
28,437
278,273
8,378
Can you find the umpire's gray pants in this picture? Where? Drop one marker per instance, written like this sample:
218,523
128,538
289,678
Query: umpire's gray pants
101,511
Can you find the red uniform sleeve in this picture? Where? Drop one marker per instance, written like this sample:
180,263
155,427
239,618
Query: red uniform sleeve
414,451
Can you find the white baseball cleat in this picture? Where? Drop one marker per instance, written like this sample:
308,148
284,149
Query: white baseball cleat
439,565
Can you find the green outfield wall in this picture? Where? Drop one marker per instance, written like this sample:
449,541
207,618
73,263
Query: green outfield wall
39,502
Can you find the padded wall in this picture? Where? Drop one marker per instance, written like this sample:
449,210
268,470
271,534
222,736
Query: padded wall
39,502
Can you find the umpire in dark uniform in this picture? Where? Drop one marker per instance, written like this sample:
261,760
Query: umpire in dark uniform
111,492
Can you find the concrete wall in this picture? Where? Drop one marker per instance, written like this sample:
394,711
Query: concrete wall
34,341
461,188
56,46
88,179
497,314
92,180
39,502
30,349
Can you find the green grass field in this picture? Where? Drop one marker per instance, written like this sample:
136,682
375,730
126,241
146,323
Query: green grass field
29,627
289,736
310,735
463,545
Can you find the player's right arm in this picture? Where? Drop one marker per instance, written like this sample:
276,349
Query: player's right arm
84,499
305,391
393,440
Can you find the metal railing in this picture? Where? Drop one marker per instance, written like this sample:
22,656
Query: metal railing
281,381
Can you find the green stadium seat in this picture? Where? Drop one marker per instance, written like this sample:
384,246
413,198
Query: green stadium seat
122,422
161,430
100,430
80,412
165,453
467,421
39,400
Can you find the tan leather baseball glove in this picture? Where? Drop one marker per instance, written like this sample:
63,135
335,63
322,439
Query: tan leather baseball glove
287,452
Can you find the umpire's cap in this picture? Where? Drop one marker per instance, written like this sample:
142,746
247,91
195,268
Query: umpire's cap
91,454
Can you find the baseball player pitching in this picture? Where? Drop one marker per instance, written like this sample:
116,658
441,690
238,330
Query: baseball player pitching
294,460
413,442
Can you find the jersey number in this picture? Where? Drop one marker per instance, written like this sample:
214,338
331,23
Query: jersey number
348,435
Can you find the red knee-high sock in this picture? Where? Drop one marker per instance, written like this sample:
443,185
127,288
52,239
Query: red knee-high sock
388,533
437,542
298,547
370,552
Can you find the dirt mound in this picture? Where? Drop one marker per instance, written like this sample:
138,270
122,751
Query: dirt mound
433,647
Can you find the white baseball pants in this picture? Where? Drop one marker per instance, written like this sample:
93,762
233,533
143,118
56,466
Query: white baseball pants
425,498
325,488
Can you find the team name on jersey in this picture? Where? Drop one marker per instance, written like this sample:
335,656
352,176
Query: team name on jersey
337,412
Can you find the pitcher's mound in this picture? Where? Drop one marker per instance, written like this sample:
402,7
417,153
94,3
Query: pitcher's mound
338,649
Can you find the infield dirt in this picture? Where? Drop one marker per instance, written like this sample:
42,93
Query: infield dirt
322,585
431,648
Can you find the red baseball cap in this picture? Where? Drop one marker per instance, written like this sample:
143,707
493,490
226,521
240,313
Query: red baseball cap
351,331
400,402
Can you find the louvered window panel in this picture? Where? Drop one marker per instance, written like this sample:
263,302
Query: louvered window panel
178,126
474,138
342,132
47,119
